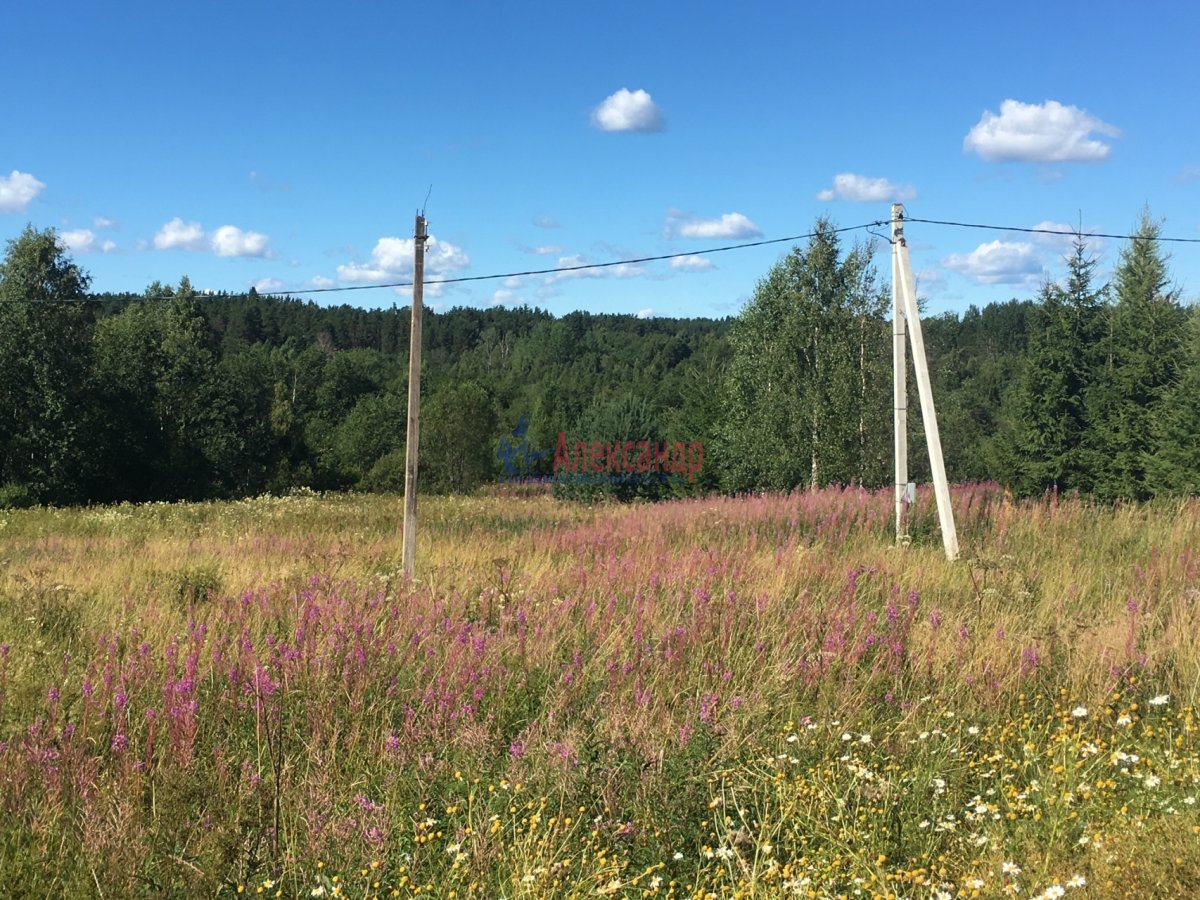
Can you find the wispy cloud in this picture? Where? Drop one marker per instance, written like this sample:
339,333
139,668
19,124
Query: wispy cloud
729,225
84,240
1049,132
692,263
628,110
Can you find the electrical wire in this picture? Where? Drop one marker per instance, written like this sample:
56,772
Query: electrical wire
667,256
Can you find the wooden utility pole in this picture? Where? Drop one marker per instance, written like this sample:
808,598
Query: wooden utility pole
414,400
904,284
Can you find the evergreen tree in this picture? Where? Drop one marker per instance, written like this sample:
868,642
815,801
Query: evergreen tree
1174,465
1142,352
1050,404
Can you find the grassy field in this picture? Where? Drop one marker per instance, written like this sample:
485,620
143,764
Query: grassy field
755,697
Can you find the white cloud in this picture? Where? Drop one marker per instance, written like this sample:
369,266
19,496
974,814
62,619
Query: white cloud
229,240
320,281
861,189
1189,173
101,223
180,235
268,285
547,249
999,262
692,263
730,225
83,240
504,297
628,111
569,266
628,270
546,222
17,191
392,260
1044,133
647,313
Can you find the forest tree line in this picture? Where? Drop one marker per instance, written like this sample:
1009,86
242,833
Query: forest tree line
172,394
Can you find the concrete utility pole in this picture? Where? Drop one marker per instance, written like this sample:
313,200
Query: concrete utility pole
414,400
899,396
905,290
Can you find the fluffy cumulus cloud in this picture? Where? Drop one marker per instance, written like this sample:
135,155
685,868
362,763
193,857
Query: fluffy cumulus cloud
647,313
84,240
729,225
691,263
17,191
268,285
320,281
861,189
1047,132
180,235
392,260
228,240
999,262
547,249
628,110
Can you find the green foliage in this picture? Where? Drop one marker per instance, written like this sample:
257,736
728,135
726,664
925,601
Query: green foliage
1143,350
45,394
1051,397
457,448
609,420
169,395
807,381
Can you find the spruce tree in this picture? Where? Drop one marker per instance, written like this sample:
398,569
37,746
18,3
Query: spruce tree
1173,467
1050,399
1142,350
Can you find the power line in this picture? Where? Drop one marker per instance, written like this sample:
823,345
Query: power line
1071,233
584,266
666,256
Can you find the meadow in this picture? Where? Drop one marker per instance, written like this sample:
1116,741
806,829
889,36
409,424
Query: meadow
723,697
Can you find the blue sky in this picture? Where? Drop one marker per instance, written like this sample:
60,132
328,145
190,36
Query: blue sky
289,145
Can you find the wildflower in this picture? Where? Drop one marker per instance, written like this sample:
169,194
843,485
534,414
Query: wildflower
1053,892
847,736
1010,868
973,730
1076,881
1124,720
1160,700
655,883
1080,712
865,739
1152,781
677,856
